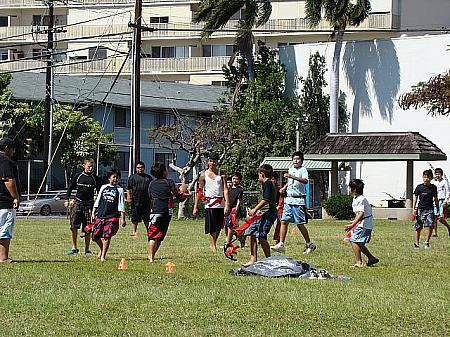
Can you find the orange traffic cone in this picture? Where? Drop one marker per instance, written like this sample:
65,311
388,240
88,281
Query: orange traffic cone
123,264
170,267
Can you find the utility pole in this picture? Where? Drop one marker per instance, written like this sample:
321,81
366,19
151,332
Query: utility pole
48,96
136,86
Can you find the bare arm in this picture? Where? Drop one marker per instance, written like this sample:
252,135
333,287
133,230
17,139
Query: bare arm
201,185
300,179
11,186
260,205
225,194
359,216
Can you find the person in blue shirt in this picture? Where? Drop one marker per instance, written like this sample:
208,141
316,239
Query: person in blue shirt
294,203
108,212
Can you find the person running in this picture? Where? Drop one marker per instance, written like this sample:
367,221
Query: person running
9,196
213,190
161,192
443,196
86,183
108,212
294,203
137,196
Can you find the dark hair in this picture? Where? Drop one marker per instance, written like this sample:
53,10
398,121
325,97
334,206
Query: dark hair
275,176
428,173
438,170
158,170
140,163
112,172
238,174
357,185
213,156
267,170
298,153
229,179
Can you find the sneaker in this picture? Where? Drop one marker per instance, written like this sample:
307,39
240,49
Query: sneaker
426,245
87,253
310,247
313,274
323,274
416,246
279,247
73,251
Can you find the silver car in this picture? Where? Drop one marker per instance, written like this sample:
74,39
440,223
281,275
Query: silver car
44,205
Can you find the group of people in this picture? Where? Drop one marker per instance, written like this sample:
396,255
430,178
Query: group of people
151,200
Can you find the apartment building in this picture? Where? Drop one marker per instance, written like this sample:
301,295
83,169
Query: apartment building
93,36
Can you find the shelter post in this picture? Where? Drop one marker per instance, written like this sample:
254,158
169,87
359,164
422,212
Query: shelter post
334,177
409,183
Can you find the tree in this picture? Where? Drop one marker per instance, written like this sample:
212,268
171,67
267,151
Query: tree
80,134
261,113
217,13
434,95
340,14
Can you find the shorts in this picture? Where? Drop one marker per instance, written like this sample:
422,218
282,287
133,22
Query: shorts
261,228
441,212
158,226
361,236
231,219
424,218
105,228
81,214
214,218
7,221
294,214
140,214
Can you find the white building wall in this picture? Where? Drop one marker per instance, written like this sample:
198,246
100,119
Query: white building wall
416,14
373,75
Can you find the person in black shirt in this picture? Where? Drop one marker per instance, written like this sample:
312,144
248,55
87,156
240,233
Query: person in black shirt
423,211
86,183
260,228
137,196
161,192
9,196
235,193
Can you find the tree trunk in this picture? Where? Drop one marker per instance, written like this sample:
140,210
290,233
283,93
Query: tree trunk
334,83
250,65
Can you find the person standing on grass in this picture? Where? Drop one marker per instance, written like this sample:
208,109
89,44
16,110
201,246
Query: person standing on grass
137,196
235,192
361,227
443,197
86,183
294,204
108,212
260,228
161,192
213,187
425,200
9,196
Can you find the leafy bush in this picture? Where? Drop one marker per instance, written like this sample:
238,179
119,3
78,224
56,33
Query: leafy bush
339,206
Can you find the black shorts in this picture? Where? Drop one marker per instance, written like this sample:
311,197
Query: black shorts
140,213
214,218
81,214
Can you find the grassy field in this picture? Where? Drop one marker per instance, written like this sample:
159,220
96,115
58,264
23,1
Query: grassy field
47,293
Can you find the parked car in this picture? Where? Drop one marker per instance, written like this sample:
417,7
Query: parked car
44,205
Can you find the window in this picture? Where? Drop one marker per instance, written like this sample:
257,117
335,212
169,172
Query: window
159,19
97,53
3,21
60,55
219,83
165,158
239,15
120,117
162,119
3,54
170,52
122,161
17,54
217,50
39,54
44,20
167,52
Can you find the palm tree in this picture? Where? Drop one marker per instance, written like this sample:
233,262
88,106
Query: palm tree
216,14
339,13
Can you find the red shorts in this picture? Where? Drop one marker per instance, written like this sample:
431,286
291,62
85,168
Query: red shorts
158,226
105,228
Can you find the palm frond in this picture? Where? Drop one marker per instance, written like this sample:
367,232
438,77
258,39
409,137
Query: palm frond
313,10
264,12
221,14
206,7
359,12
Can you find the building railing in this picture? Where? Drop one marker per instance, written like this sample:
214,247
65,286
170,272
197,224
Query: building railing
22,3
149,66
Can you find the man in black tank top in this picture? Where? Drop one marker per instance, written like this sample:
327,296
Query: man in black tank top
86,183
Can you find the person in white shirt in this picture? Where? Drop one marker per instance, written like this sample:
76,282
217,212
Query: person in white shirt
363,224
443,197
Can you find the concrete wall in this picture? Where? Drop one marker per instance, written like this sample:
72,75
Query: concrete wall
373,75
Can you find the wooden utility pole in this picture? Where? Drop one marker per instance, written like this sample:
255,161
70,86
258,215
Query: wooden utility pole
48,94
136,85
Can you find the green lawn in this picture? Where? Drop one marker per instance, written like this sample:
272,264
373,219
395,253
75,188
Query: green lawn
47,293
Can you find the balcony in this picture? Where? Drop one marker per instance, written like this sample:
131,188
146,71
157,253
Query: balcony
149,66
37,3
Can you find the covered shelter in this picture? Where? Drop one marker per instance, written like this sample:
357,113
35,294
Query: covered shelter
374,146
